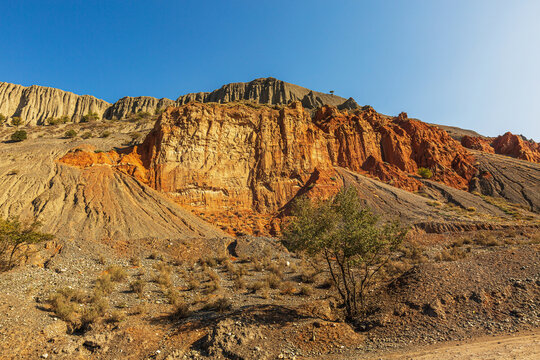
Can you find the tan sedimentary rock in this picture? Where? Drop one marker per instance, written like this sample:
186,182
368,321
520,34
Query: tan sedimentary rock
132,105
35,104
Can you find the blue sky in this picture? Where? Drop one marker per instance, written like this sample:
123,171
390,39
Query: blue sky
473,64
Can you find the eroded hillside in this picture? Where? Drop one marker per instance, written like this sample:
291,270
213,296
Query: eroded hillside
239,166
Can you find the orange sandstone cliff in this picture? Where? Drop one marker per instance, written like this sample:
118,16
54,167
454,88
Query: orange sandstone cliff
235,164
507,144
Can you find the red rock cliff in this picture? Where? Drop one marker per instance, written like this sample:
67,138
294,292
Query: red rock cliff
507,144
229,161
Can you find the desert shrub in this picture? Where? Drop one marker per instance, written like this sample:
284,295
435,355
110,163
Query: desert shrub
64,304
193,284
15,236
103,285
163,275
117,316
105,134
87,135
2,119
135,261
276,269
181,311
19,135
257,286
173,296
212,275
117,273
74,307
287,288
350,239
52,121
257,265
16,121
305,290
90,117
137,287
139,309
213,286
208,261
221,304
308,276
487,239
70,134
425,173
55,121
239,283
326,284
273,281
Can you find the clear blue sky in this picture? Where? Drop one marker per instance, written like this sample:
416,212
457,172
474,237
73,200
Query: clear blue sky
468,63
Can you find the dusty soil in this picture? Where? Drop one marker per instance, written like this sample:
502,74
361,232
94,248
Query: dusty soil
487,290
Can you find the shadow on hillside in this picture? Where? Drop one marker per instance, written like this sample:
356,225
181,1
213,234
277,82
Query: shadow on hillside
250,314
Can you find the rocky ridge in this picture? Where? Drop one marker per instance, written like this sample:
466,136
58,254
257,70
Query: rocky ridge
508,144
35,104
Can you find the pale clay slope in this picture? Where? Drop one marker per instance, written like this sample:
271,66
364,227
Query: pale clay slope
93,204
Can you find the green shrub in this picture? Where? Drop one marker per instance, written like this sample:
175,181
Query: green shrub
92,116
16,121
86,135
105,134
19,135
70,134
14,236
2,119
354,245
425,173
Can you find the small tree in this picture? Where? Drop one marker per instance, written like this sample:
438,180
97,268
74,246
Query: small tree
352,243
70,134
14,235
16,121
19,135
425,173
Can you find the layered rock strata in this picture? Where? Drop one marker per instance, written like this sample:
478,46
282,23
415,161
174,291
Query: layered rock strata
35,104
241,159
